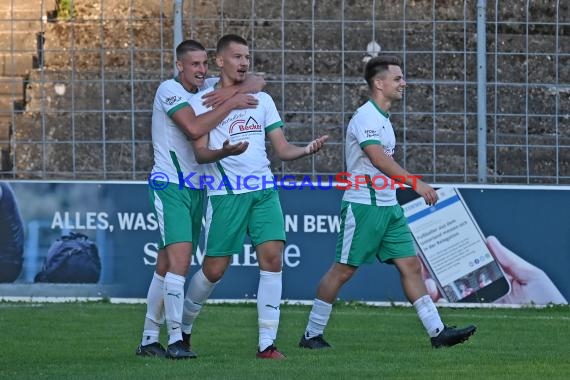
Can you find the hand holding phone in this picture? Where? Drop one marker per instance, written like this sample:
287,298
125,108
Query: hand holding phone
529,284
453,249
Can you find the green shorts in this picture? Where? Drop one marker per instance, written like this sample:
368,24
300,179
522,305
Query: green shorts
230,217
178,213
368,232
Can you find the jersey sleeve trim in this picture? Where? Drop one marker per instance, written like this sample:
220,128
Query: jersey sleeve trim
369,142
277,124
174,109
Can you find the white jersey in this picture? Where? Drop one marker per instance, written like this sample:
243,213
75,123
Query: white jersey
369,125
250,170
173,152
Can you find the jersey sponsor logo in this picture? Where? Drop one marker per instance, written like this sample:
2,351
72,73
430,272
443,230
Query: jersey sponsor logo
172,100
371,133
239,127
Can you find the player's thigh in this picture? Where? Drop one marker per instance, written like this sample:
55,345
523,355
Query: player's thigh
196,214
398,241
266,220
226,223
175,211
360,235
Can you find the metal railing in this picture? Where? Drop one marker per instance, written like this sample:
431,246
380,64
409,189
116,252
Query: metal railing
488,97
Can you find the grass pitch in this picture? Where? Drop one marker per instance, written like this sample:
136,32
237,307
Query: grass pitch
98,341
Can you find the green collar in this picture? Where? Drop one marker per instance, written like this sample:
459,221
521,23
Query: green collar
190,91
385,114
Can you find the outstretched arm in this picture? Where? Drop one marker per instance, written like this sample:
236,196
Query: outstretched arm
391,168
253,83
288,152
205,155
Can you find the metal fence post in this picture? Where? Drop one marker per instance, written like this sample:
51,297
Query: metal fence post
178,6
481,92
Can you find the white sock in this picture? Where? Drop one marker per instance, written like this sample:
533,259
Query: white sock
173,305
198,292
154,310
429,315
318,318
268,302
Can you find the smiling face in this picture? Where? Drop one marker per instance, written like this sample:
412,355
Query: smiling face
391,83
193,67
233,61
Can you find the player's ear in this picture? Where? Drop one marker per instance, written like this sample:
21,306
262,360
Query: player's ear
378,83
179,66
219,60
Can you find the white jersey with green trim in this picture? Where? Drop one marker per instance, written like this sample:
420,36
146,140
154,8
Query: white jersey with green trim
173,152
368,185
250,170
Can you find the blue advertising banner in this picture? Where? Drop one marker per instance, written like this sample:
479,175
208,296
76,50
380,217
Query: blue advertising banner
526,259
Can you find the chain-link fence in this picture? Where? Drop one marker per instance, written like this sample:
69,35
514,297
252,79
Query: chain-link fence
78,78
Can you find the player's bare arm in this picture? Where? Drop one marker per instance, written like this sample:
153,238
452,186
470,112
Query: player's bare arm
196,126
287,152
390,167
205,155
253,83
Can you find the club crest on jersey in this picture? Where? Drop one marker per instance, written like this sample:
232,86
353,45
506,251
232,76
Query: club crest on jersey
240,126
173,99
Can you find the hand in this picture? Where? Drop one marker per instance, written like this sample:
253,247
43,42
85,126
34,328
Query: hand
214,98
427,192
529,284
241,101
234,149
238,101
316,145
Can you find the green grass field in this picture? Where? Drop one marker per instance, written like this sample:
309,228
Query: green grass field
98,340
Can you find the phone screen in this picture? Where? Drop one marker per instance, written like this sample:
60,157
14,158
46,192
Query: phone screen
453,249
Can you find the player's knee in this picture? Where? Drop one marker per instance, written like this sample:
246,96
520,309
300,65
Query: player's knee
213,274
409,267
341,273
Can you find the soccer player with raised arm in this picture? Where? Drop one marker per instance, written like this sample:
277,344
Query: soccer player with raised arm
179,211
248,201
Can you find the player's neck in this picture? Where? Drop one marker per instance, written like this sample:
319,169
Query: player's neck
383,103
227,82
187,86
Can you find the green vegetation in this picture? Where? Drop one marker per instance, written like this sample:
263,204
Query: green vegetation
65,9
98,341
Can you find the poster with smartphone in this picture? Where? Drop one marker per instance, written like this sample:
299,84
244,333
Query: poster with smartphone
453,249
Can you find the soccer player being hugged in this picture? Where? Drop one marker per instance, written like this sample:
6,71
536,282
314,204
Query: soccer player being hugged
178,207
242,206
373,224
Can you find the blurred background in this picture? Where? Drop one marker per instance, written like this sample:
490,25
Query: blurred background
488,97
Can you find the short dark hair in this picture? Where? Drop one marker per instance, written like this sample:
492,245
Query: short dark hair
187,46
226,40
379,65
